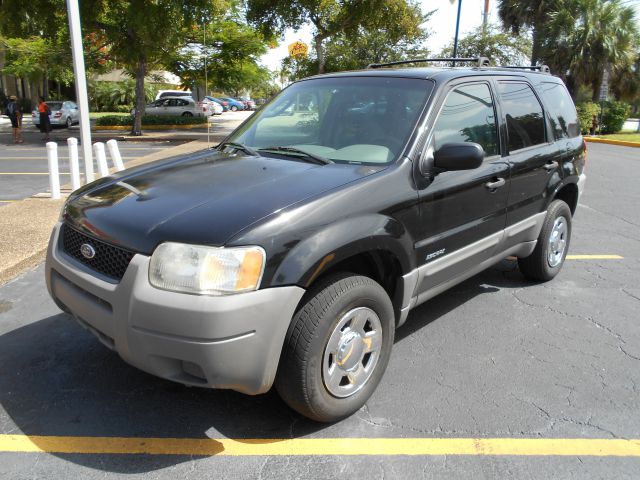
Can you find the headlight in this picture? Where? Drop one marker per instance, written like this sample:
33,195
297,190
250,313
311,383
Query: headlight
206,270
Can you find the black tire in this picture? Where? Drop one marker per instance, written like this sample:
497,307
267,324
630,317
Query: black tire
69,122
537,266
300,381
234,108
187,114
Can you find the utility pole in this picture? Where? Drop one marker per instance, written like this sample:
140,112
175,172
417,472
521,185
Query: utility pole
485,16
455,39
75,32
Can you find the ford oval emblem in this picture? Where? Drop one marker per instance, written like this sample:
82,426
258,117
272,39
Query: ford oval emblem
87,251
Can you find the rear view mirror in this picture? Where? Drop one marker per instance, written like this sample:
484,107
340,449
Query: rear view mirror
458,156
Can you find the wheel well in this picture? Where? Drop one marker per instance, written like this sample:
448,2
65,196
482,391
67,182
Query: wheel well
380,265
569,194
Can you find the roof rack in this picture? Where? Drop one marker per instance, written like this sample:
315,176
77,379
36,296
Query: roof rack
479,61
543,68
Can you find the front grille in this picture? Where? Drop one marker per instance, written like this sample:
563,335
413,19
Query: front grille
108,260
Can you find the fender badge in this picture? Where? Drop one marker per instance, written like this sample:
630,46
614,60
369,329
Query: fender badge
435,254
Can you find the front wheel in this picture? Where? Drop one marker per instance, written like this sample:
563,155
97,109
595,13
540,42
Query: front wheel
337,348
547,258
187,114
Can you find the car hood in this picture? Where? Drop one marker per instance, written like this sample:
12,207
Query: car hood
203,198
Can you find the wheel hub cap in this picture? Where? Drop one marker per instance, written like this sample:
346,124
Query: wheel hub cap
352,352
557,242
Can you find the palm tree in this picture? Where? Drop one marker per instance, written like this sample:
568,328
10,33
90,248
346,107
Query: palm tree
588,37
517,15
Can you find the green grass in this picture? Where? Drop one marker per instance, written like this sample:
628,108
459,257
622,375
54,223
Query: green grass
627,137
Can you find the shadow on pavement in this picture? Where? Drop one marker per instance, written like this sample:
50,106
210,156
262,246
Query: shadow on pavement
59,380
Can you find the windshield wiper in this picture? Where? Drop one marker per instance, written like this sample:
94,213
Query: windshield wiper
296,151
239,146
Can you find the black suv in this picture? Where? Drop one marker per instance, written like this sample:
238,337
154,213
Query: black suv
291,252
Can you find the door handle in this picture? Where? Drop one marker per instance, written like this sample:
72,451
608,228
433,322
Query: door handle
549,167
499,182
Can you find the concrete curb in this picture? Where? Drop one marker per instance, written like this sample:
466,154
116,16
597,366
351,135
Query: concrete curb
202,126
607,141
25,226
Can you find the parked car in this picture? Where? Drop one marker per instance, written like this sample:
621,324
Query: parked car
248,103
224,103
290,254
174,106
173,93
63,114
234,105
214,108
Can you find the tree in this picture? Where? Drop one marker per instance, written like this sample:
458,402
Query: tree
232,52
331,18
517,15
587,37
142,34
499,47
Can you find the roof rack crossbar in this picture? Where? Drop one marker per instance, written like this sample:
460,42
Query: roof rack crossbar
543,68
479,61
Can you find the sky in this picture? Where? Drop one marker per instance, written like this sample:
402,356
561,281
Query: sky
442,26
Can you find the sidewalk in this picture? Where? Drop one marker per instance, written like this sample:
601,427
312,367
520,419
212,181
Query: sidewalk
25,226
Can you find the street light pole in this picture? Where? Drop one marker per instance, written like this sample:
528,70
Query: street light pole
455,39
81,86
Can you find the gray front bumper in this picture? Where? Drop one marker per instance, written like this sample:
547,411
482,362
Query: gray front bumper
219,342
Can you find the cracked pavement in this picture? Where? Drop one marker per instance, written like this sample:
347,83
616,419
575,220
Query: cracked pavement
495,356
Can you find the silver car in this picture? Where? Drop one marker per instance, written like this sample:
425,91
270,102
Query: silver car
63,114
174,107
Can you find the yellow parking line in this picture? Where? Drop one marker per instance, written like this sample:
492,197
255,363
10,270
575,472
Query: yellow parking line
323,446
594,257
30,173
8,201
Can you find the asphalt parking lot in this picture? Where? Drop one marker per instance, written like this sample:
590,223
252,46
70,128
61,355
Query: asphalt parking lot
475,373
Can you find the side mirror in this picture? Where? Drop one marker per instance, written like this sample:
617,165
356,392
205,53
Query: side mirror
458,156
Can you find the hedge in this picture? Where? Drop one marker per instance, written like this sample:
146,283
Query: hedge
586,111
613,116
127,120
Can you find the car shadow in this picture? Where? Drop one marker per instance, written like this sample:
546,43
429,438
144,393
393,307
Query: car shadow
58,380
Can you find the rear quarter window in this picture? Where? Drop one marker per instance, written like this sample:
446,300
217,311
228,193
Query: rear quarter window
562,111
523,114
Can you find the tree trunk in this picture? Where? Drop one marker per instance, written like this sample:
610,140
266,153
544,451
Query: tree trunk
320,53
535,46
141,71
595,85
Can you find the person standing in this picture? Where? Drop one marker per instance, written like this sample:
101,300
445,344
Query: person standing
45,123
14,112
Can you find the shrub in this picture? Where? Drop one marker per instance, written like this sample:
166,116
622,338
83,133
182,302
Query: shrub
148,120
586,111
613,116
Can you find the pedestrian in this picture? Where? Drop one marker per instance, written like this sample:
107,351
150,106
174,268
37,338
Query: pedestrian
45,123
14,112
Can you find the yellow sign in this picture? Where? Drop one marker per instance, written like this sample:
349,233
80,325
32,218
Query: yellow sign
298,49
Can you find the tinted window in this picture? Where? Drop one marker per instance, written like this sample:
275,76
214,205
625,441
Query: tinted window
523,113
562,112
468,116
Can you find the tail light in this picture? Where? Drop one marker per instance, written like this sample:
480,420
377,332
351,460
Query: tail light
225,104
57,115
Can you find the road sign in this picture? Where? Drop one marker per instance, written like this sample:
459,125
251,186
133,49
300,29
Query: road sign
298,49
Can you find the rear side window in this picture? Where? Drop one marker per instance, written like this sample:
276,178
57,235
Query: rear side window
562,112
523,113
468,116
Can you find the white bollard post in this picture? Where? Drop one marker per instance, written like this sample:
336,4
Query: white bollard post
74,166
98,151
114,152
54,174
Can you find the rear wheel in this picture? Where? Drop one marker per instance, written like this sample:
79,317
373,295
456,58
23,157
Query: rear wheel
234,108
187,114
337,348
553,243
69,122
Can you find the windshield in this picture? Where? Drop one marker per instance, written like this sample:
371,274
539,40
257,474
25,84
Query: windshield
54,105
348,119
